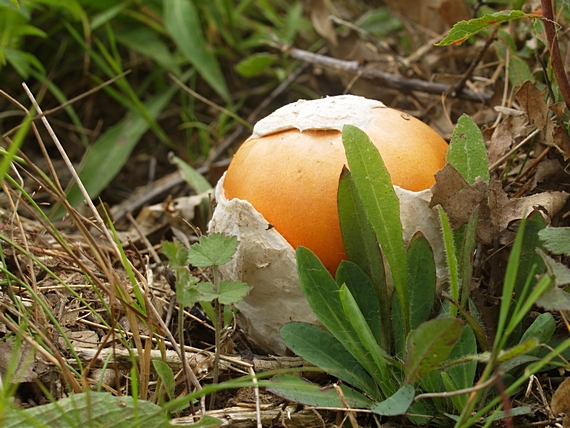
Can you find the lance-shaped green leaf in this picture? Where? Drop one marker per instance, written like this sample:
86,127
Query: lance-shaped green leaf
429,345
322,293
397,404
360,286
89,410
322,349
376,355
421,279
467,151
363,249
296,389
382,206
357,234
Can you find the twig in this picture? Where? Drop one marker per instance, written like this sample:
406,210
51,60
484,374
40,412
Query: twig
343,400
257,402
555,57
389,80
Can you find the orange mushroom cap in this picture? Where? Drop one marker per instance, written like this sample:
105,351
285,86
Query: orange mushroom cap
290,172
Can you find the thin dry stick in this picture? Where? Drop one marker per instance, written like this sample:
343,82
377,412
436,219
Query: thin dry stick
98,219
72,170
63,105
389,80
351,416
256,392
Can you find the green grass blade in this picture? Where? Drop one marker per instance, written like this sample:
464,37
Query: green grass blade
465,257
17,141
509,288
467,151
183,23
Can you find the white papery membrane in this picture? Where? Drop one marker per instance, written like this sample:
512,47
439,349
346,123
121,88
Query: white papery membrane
266,261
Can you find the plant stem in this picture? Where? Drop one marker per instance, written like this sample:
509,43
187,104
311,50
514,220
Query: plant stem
555,57
218,324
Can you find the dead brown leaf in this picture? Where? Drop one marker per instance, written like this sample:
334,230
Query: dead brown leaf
504,135
496,211
458,199
319,14
533,103
21,358
556,136
561,401
437,15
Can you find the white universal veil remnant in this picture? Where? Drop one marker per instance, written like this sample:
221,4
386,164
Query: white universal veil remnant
265,259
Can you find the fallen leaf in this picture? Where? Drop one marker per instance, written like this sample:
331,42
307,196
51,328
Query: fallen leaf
557,136
22,357
561,401
457,198
533,102
496,211
319,14
504,135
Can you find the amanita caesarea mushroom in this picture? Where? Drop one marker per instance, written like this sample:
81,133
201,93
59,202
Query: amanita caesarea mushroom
280,192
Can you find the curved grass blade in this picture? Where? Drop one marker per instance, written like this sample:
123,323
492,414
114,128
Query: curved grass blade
183,23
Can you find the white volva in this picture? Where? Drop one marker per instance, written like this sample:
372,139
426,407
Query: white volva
266,261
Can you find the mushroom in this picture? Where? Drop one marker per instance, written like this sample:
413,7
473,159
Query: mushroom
280,192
